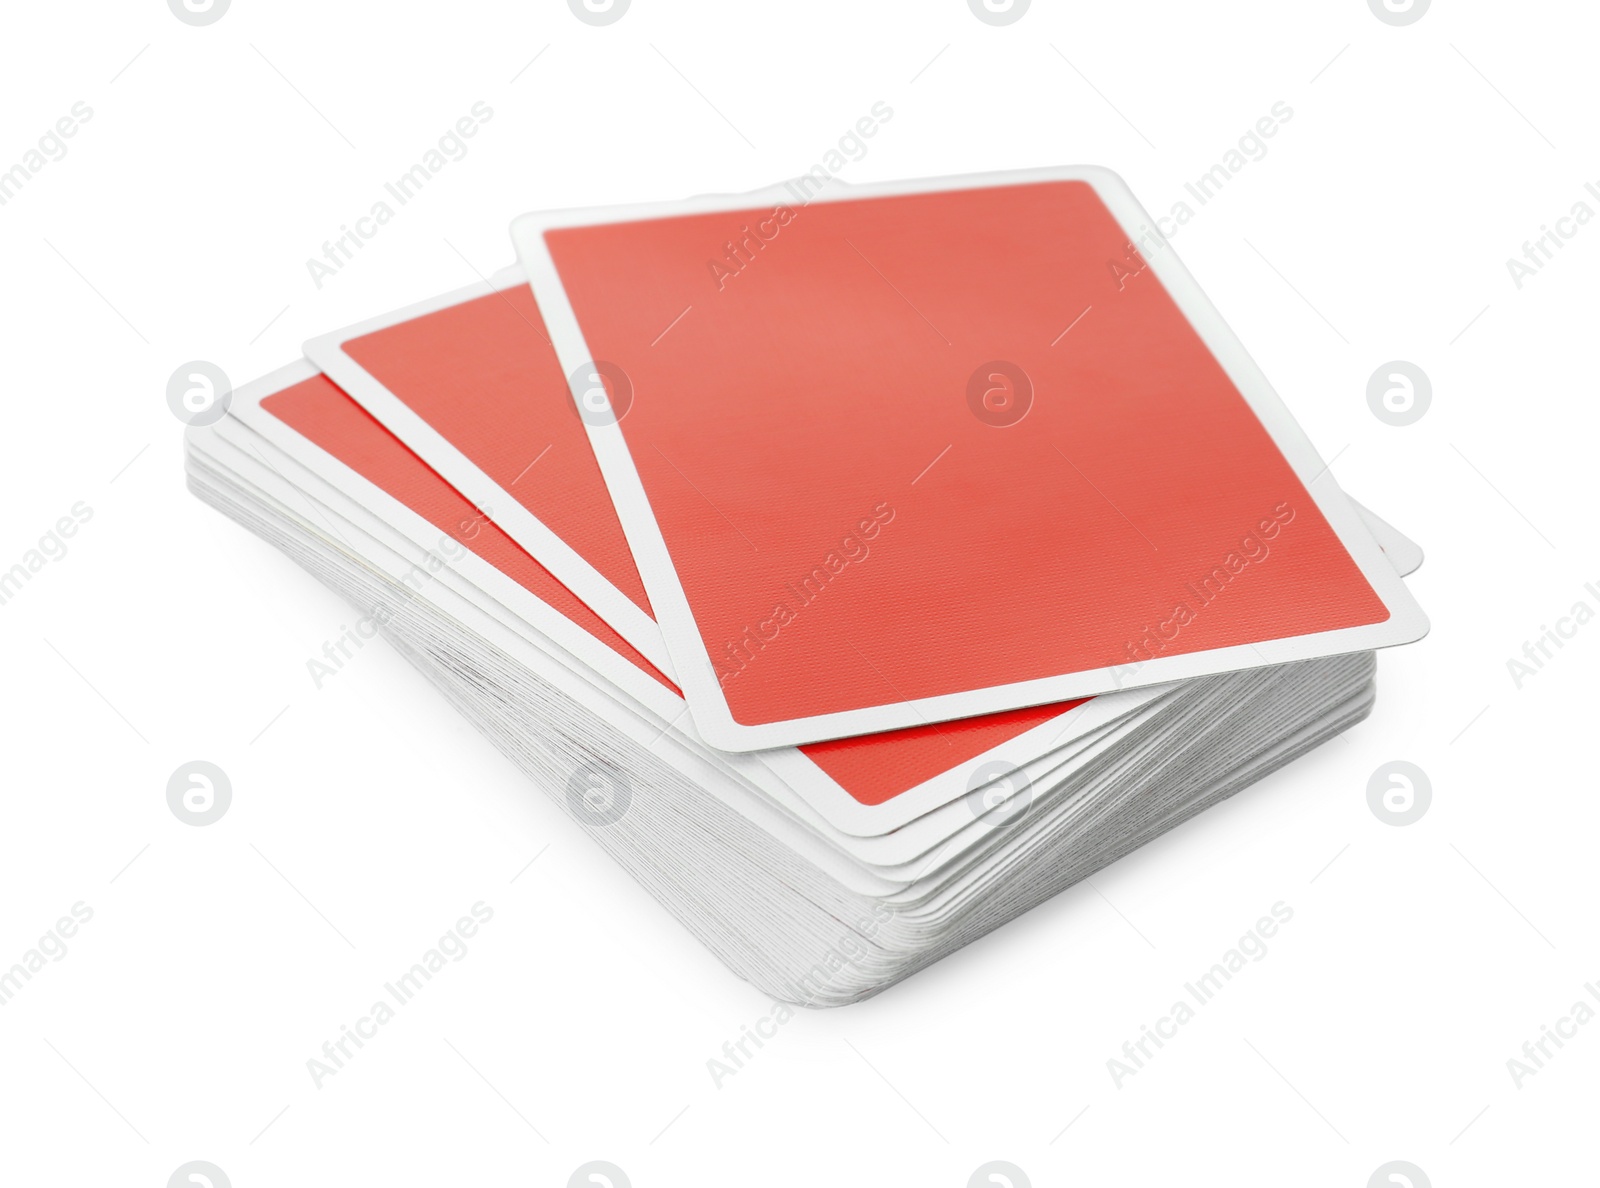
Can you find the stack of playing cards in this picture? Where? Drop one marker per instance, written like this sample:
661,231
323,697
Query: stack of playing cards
858,566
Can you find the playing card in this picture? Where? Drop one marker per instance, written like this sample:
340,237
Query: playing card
923,451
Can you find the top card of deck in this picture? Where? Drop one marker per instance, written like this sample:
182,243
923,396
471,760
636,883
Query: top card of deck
927,450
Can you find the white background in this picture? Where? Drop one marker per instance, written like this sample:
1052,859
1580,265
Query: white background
367,816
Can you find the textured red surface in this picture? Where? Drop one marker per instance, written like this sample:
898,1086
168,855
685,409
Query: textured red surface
827,379
874,768
484,376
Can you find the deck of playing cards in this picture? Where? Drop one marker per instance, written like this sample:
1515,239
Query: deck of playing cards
859,566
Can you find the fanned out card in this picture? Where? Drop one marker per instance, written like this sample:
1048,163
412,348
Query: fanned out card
922,451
